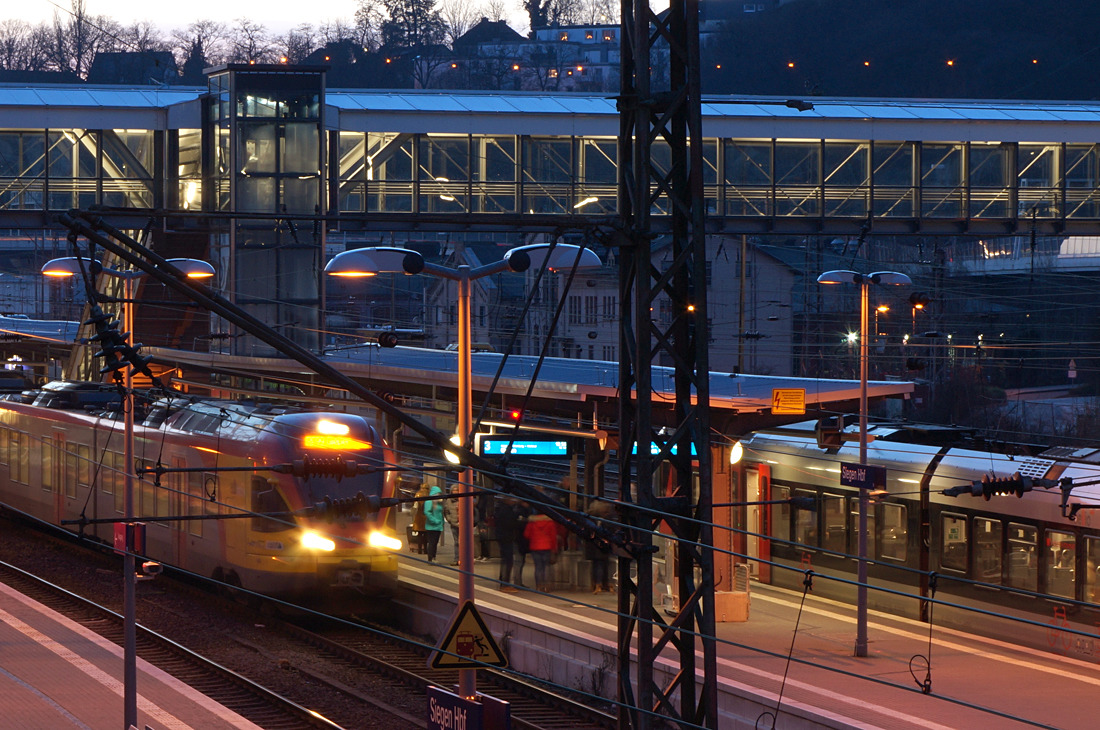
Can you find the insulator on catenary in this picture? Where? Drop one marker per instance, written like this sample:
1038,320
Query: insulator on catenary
344,508
313,466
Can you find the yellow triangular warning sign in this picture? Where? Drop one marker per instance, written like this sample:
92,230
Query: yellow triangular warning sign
468,643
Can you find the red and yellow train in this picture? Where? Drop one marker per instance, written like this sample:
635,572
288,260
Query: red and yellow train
62,458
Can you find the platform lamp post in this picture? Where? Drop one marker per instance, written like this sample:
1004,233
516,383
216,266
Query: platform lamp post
71,266
387,260
864,281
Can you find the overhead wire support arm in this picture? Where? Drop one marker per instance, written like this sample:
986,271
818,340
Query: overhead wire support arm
117,242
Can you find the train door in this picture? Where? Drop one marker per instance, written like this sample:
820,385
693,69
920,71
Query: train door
758,520
176,492
52,475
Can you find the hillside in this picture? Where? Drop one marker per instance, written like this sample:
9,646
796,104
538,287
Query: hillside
988,49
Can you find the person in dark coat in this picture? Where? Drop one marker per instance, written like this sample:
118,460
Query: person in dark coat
483,518
599,559
522,513
507,523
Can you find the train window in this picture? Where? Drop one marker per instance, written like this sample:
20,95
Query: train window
71,469
47,473
4,445
1092,565
853,526
111,473
781,514
953,542
988,550
266,499
805,521
19,456
1061,564
894,532
1023,568
83,465
835,536
194,502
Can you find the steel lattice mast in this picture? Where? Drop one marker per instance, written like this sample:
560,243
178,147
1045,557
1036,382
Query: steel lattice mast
655,110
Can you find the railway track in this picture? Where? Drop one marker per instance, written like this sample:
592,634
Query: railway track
248,699
533,707
369,671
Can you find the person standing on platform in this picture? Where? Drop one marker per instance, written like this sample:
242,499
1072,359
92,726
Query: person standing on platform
484,520
522,513
542,535
418,534
597,557
450,516
507,524
433,521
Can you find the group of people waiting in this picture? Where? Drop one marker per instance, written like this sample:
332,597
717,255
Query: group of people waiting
518,530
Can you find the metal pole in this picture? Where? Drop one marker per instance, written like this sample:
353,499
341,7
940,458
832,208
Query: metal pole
129,569
861,589
467,678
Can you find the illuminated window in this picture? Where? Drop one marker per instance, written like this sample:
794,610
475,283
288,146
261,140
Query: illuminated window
564,36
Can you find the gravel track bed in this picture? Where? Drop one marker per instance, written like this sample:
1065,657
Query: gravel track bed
237,639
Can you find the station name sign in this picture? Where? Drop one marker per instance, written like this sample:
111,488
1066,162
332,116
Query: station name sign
863,476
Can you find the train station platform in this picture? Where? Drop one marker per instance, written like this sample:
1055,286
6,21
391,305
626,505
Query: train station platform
569,637
56,674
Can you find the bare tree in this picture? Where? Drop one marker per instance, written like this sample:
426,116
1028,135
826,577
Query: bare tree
201,44
76,36
334,31
15,41
458,17
495,10
250,42
142,36
298,43
600,12
367,30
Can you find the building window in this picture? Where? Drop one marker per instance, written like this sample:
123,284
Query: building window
609,36
591,313
589,35
609,352
575,309
564,36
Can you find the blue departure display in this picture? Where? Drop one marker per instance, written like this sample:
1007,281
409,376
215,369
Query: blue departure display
524,447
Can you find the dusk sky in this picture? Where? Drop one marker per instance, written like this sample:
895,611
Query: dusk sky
278,15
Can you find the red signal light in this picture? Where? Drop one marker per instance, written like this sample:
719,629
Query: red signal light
515,414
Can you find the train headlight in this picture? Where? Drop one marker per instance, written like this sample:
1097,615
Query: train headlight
382,540
317,542
736,452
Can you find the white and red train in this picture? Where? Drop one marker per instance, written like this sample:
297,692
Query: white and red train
1014,552
62,458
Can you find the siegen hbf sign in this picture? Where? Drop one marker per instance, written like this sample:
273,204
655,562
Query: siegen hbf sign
448,711
863,476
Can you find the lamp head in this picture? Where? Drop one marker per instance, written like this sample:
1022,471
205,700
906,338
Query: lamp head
543,255
354,264
69,266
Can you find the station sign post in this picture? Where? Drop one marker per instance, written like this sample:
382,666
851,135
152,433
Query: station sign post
863,476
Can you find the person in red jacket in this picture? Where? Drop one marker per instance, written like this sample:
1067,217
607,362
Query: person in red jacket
543,537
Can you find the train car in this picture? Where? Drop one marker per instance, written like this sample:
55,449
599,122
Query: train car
1020,553
61,458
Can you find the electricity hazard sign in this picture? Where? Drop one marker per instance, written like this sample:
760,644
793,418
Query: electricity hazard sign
790,401
467,644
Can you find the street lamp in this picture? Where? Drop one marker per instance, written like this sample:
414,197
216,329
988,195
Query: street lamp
843,276
72,266
365,262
